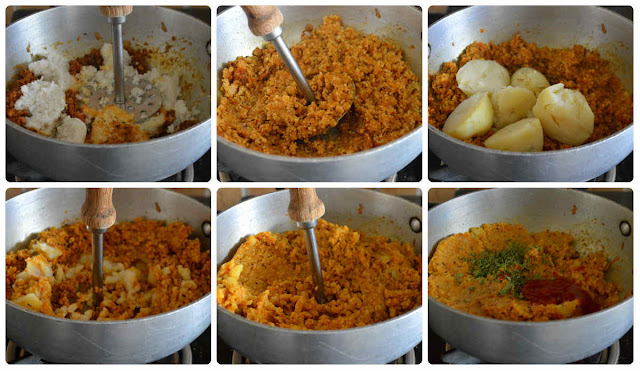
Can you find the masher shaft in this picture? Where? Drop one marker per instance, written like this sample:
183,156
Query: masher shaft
292,66
118,59
96,263
314,262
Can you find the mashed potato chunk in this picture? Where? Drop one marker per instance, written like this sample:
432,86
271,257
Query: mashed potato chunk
564,114
480,75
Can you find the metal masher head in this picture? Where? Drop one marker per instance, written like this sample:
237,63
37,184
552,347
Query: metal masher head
146,99
144,103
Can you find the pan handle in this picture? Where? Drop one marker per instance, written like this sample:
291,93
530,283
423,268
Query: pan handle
116,11
98,211
304,205
263,19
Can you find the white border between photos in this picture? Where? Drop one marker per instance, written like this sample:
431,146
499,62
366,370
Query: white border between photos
214,185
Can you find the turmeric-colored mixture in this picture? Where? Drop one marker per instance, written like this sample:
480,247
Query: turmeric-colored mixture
367,279
262,109
577,68
150,267
504,272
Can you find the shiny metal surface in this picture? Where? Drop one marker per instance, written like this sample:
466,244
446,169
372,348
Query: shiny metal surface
118,59
371,165
131,341
308,229
275,37
145,161
594,225
97,255
380,343
549,26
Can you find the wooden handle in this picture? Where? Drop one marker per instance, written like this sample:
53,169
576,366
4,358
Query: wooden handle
97,210
304,205
263,19
116,11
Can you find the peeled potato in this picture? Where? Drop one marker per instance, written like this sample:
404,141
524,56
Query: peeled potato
30,301
564,114
529,78
523,136
511,104
480,75
474,116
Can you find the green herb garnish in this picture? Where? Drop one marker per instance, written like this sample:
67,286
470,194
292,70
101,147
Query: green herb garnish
457,277
508,263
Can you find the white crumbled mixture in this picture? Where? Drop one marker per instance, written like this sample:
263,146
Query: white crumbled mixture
107,56
169,86
71,130
136,93
45,98
105,101
53,68
153,124
45,102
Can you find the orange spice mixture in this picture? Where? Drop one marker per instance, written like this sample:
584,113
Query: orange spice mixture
367,279
577,68
462,275
262,109
150,267
13,93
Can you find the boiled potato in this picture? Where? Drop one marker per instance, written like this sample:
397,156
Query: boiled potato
480,75
564,114
71,130
529,78
523,136
511,104
30,301
474,116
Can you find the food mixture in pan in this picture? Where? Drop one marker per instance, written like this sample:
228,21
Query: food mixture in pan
518,96
367,279
150,267
504,272
261,108
51,95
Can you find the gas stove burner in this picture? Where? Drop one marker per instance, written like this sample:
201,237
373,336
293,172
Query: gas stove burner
392,178
610,355
445,174
410,173
407,359
441,172
18,356
186,175
21,173
230,177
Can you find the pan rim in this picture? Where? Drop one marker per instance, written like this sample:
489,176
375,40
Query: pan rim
433,301
601,7
117,145
403,316
362,190
326,159
458,142
106,323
